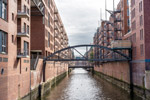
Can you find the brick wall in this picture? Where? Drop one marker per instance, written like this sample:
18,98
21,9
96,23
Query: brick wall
118,70
52,70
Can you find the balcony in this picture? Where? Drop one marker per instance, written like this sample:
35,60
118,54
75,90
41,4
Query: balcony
21,53
55,19
23,33
55,27
55,11
23,13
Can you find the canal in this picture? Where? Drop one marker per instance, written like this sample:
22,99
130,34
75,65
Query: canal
80,85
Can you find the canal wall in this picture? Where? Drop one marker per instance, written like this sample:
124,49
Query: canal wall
118,73
55,72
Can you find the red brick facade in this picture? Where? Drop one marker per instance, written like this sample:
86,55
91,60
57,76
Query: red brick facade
20,27
135,27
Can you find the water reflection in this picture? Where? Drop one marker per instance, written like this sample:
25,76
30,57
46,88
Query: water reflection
80,85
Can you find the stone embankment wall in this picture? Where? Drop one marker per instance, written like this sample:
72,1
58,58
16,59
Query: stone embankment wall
118,73
54,73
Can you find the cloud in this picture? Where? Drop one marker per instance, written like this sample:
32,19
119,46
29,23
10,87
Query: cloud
80,18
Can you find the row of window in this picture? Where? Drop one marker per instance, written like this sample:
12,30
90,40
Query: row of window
133,37
133,12
26,28
134,23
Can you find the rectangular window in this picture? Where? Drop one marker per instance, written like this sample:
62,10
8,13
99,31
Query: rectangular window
25,9
128,2
28,29
49,3
48,39
133,25
128,13
133,13
3,9
3,42
26,48
134,51
132,3
48,20
12,38
142,49
128,22
24,28
141,34
28,12
12,16
140,6
141,20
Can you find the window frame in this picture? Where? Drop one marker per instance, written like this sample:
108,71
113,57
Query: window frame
3,41
3,9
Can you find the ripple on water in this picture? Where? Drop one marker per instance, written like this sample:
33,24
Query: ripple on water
82,86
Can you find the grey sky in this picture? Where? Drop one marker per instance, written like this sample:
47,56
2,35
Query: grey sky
80,18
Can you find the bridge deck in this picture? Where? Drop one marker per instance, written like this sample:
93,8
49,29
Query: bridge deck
81,66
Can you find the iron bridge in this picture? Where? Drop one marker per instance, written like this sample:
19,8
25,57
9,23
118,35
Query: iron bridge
111,54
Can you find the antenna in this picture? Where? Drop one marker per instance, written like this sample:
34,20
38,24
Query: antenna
101,14
105,9
113,5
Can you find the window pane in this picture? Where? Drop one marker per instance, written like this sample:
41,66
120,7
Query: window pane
0,41
5,37
3,41
0,8
5,12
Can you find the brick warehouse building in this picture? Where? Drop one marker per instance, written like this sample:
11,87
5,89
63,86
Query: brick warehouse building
54,37
134,26
24,25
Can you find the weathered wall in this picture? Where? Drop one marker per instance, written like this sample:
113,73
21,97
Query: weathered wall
118,74
52,71
37,75
119,70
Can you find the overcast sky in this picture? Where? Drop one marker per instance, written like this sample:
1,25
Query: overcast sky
80,18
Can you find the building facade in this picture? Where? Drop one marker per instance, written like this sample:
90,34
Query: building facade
27,29
14,48
131,22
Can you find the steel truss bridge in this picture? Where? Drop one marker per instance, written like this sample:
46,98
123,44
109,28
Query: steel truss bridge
112,54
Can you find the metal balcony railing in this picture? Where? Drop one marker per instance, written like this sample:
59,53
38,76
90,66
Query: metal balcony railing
22,53
23,12
23,32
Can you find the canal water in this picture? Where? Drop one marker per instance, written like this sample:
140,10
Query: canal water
80,85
